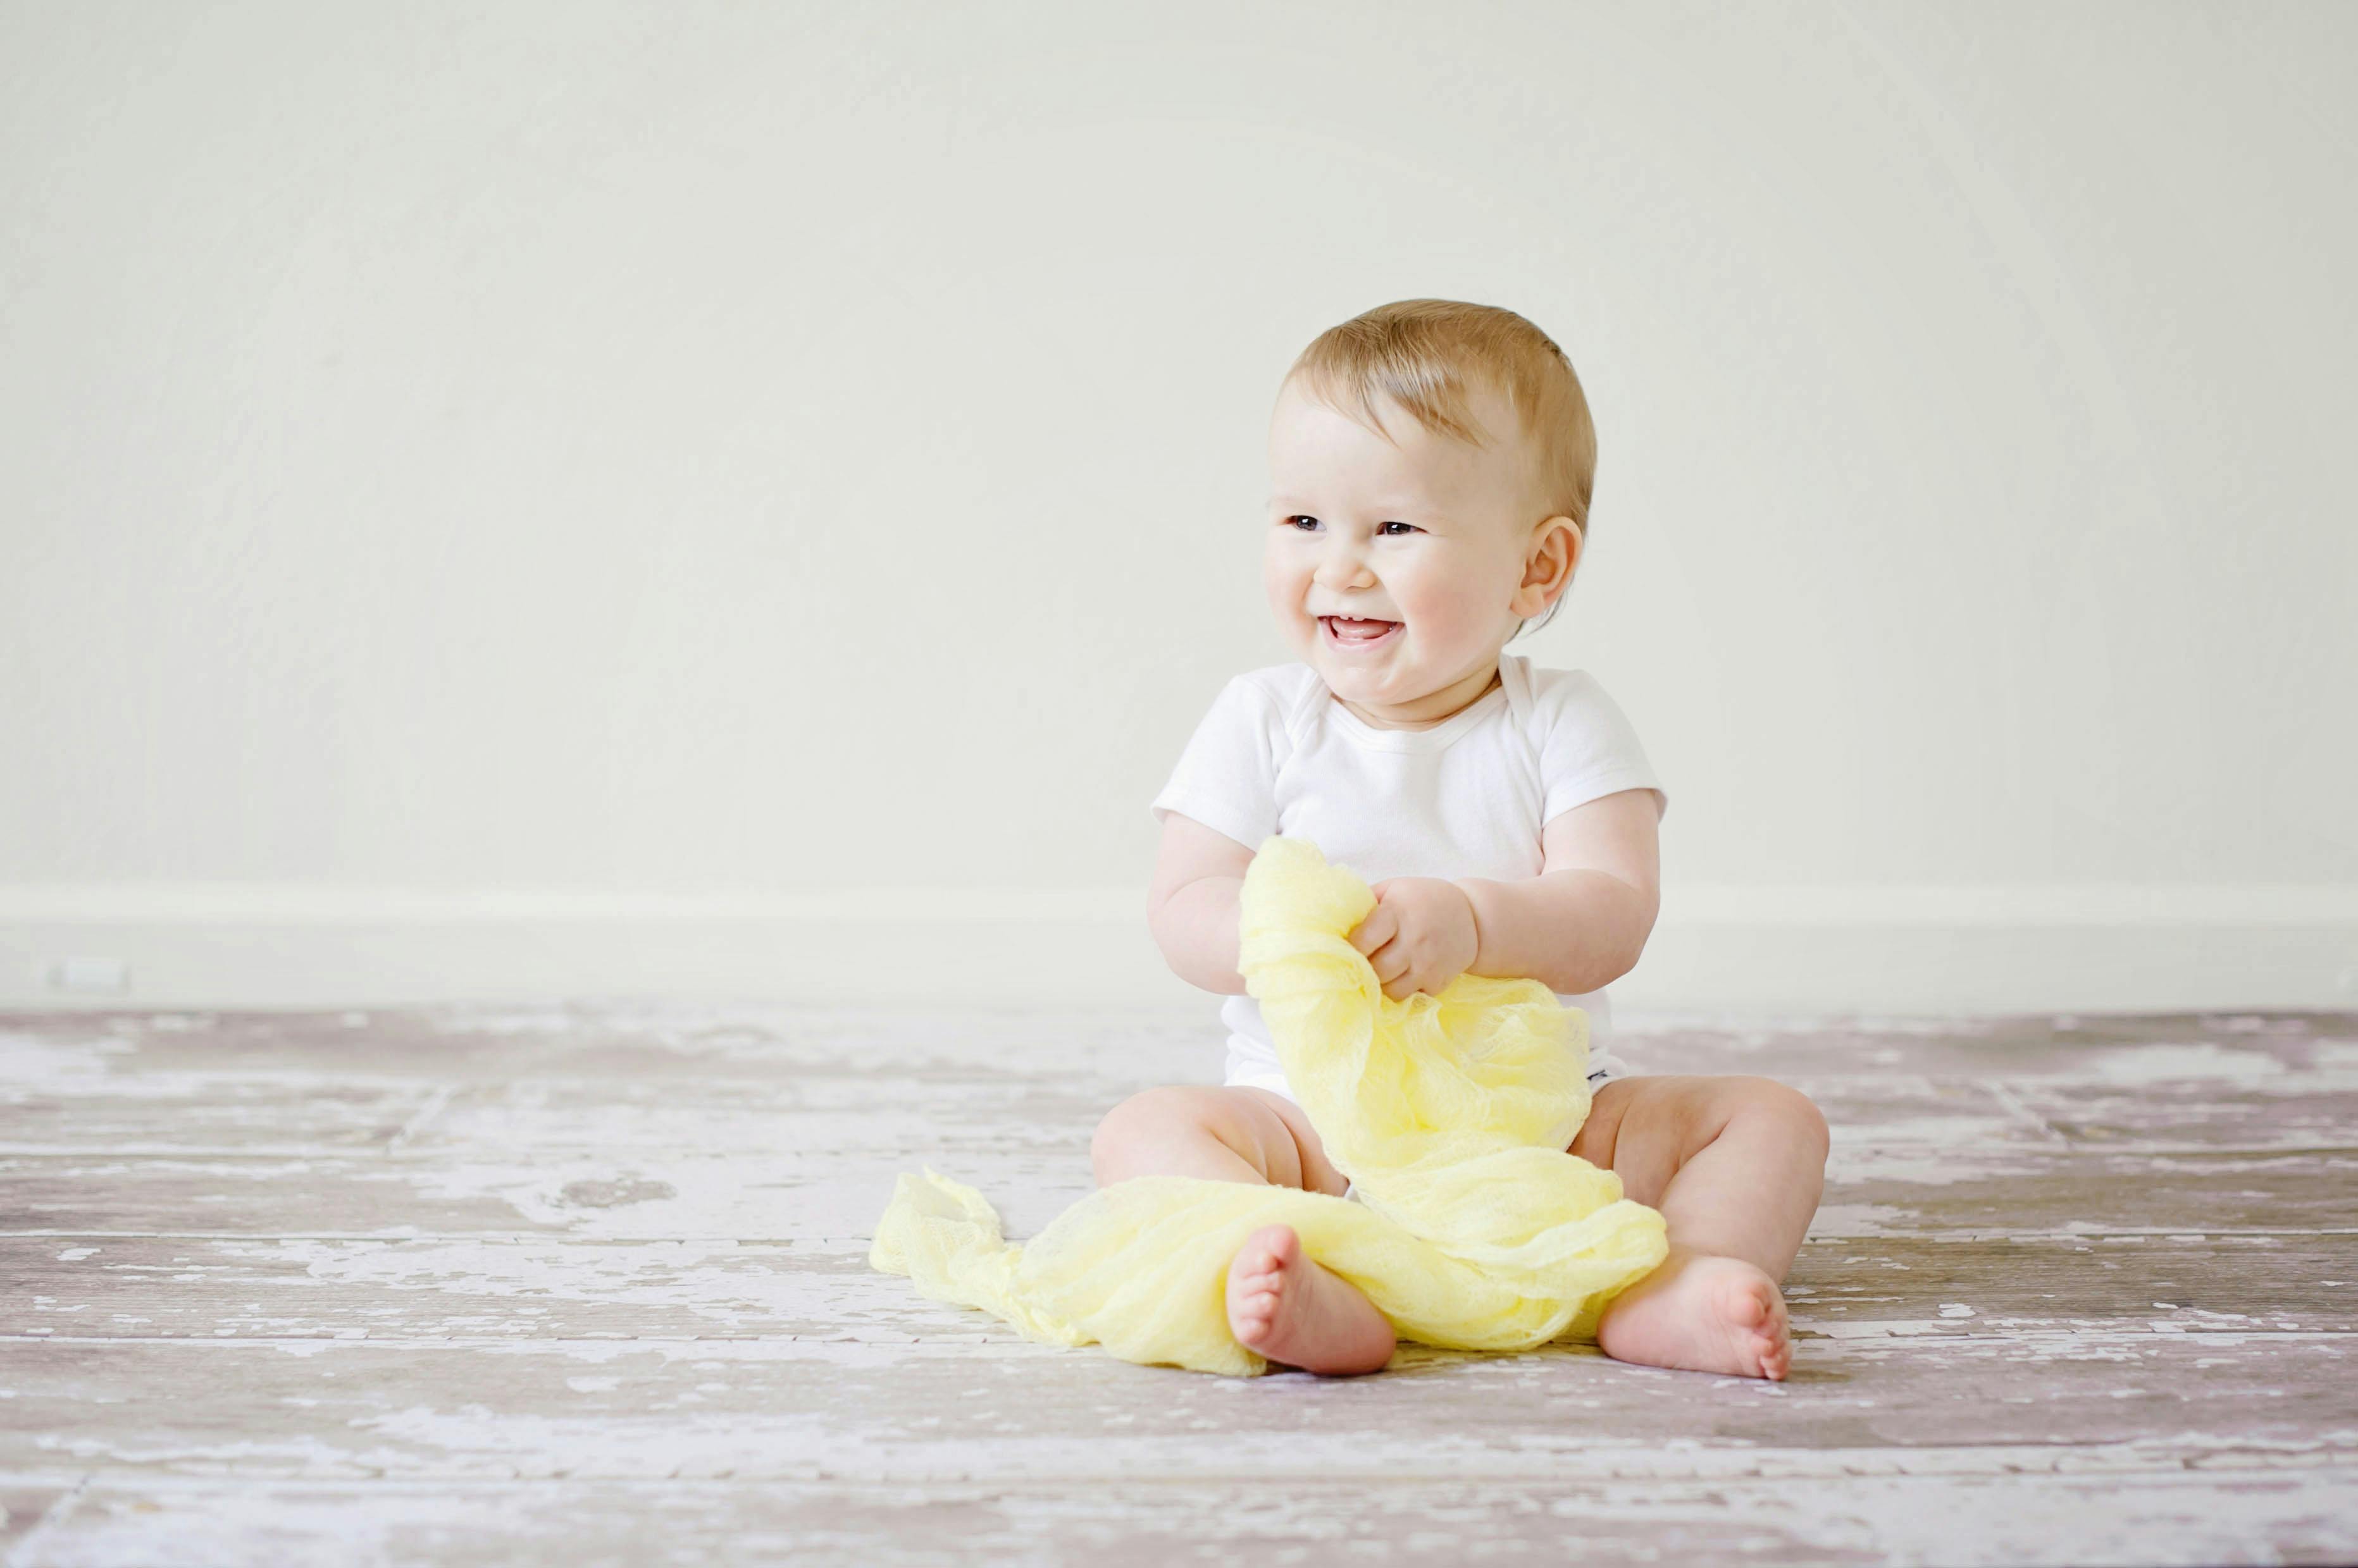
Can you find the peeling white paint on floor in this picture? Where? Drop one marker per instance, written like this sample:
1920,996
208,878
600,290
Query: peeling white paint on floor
582,1284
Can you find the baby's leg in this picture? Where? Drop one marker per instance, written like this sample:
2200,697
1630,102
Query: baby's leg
1281,1303
1223,1135
1735,1164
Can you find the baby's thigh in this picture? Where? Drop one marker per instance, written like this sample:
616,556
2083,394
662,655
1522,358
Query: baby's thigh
1645,1128
1174,1128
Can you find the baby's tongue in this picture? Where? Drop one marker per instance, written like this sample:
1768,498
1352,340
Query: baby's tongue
1364,629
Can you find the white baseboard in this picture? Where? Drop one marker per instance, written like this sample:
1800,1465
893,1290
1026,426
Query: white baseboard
1817,951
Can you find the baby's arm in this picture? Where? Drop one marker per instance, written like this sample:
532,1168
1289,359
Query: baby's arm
1580,924
1191,905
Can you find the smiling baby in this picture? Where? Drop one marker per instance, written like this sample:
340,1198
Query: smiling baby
1432,464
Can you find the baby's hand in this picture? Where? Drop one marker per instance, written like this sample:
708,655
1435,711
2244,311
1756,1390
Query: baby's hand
1420,936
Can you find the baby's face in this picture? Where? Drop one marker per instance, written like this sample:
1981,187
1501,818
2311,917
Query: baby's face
1430,535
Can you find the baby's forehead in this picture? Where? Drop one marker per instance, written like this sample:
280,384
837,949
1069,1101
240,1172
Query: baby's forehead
1443,459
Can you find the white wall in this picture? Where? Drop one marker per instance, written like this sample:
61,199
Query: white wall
558,499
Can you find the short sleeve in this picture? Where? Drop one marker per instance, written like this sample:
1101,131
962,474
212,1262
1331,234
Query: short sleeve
1588,749
1227,777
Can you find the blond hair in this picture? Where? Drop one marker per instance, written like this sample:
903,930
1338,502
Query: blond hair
1424,355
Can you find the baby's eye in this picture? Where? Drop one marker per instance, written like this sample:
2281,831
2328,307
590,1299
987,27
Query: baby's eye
1298,519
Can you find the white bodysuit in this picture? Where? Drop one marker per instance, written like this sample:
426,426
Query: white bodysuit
1467,797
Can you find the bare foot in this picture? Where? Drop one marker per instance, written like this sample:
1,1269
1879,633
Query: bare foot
1295,1313
1701,1313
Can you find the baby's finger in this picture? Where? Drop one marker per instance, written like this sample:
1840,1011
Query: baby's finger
1375,931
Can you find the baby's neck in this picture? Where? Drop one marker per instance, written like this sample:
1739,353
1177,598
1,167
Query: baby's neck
1434,708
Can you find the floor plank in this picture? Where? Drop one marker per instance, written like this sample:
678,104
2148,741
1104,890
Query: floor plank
878,1409
672,1194
2180,1517
278,1288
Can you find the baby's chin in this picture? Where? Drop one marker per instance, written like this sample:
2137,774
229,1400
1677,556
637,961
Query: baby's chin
1395,679
1391,681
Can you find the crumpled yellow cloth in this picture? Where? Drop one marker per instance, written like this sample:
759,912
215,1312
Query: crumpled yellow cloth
1469,1226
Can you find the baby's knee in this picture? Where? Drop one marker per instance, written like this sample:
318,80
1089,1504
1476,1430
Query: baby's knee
1128,1136
1195,1129
1796,1113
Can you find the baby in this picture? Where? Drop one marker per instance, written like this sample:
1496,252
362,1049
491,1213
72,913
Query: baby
1431,465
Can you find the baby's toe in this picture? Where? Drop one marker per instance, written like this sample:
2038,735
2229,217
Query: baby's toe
1280,1243
1254,1259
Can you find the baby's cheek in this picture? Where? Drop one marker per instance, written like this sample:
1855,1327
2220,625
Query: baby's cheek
1449,619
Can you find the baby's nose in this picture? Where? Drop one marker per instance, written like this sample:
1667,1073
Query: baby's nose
1342,565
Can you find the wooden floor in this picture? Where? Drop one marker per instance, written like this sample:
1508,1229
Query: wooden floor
588,1286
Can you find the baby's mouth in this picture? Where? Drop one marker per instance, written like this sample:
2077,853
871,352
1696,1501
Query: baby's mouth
1347,632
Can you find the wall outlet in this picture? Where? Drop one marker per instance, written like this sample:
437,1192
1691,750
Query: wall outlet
104,977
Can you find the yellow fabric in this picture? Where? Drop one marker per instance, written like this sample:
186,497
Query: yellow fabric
1469,1226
